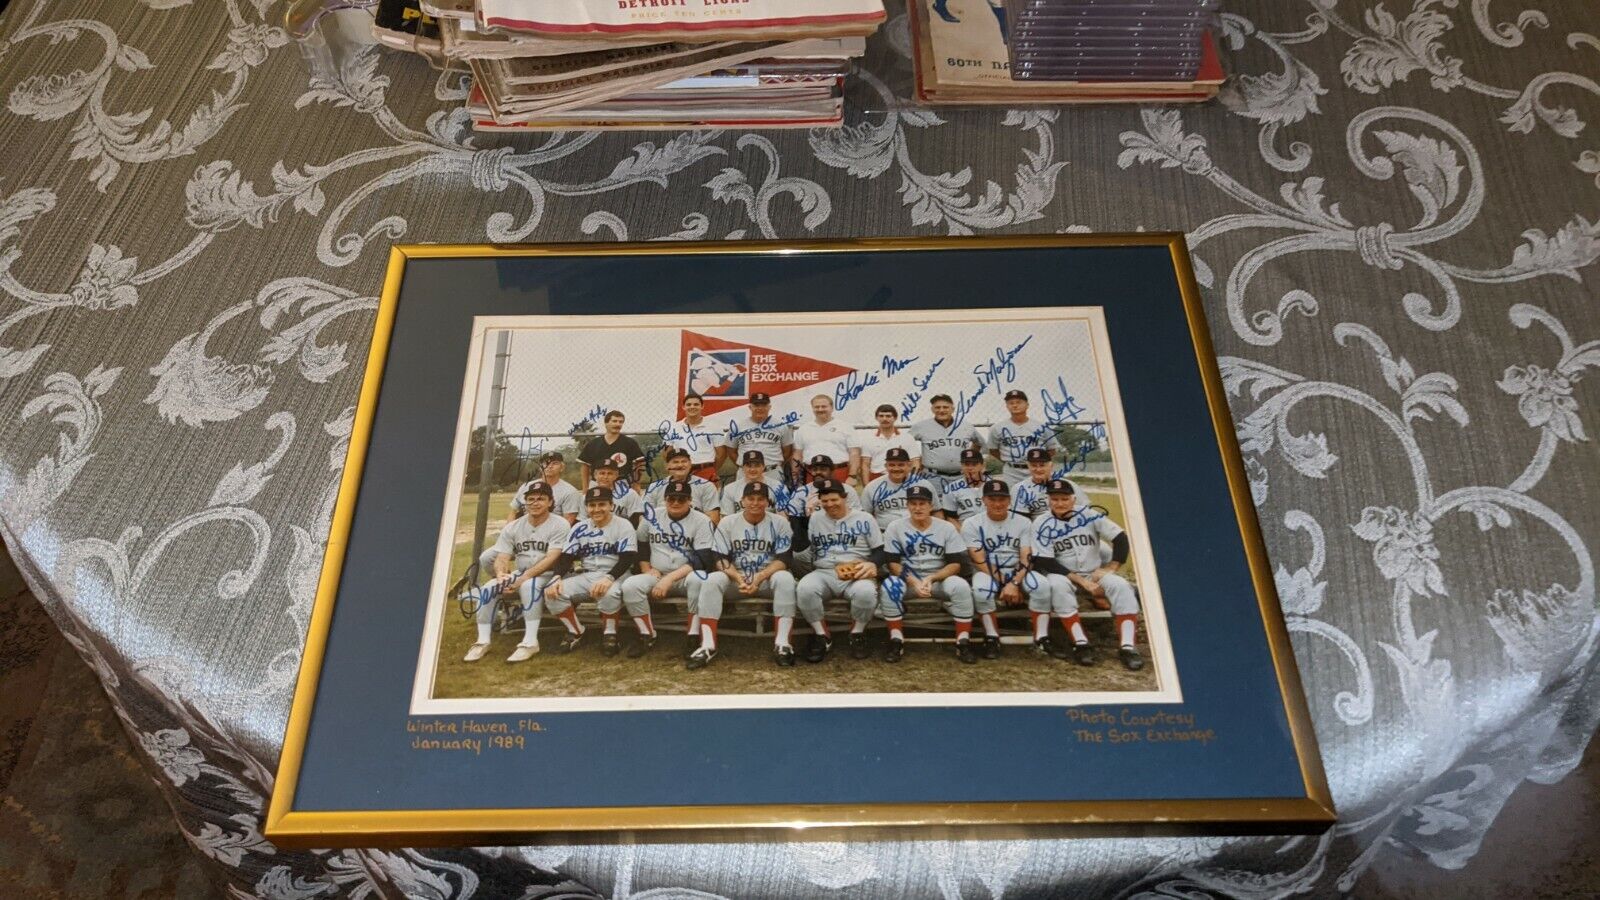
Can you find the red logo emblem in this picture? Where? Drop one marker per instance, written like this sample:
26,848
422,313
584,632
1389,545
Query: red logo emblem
726,373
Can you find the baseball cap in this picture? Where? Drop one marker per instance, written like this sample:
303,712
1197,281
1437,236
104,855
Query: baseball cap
971,455
822,459
919,492
598,493
538,487
760,397
677,489
1016,395
676,452
552,456
753,489
1038,454
751,457
994,487
607,464
828,486
897,454
1059,486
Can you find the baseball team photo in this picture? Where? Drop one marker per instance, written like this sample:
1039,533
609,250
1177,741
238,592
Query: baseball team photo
772,510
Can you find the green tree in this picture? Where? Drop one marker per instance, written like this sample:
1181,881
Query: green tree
507,463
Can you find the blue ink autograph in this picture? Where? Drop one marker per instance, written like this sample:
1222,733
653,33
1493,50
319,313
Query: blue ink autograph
856,382
998,369
908,403
734,431
1053,528
594,414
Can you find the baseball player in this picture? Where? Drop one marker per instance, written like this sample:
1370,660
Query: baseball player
925,555
628,504
693,435
804,500
847,547
524,555
885,498
703,494
568,502
753,555
603,547
963,499
1028,498
943,440
875,446
675,543
826,436
1010,440
1000,542
774,439
1066,552
752,468
614,446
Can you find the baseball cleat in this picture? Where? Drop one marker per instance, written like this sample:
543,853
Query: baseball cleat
1131,660
571,641
475,652
817,648
690,645
1083,654
1041,647
700,658
610,645
895,651
522,653
783,656
965,653
858,646
991,647
641,646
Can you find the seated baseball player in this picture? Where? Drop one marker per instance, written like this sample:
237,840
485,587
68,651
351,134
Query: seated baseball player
1066,551
703,494
752,468
999,542
847,547
603,547
1030,499
628,504
963,497
925,555
804,501
567,502
674,553
885,497
753,555
524,555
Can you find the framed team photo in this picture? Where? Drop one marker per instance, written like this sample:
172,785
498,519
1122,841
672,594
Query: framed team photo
906,507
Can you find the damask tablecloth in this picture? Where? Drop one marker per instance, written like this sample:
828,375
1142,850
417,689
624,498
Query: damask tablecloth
1394,211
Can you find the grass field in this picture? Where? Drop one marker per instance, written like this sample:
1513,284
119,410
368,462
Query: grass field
744,665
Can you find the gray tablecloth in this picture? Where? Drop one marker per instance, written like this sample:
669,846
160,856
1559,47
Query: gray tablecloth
1392,211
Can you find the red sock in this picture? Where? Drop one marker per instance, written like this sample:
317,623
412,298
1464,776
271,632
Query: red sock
894,629
826,632
645,626
1074,629
570,619
1125,628
963,629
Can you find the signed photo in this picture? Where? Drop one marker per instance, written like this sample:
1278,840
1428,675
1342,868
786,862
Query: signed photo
908,508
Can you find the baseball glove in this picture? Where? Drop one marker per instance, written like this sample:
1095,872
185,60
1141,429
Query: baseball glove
854,571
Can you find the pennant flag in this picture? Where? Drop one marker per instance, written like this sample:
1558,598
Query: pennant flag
726,373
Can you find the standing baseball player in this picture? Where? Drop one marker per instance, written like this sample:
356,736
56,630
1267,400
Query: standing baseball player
1010,440
695,436
628,504
943,441
925,555
752,469
847,547
753,555
525,554
1000,542
826,436
568,499
875,446
885,497
773,438
675,545
1067,553
620,449
703,494
603,547
963,499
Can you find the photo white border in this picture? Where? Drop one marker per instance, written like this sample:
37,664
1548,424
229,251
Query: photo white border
1154,613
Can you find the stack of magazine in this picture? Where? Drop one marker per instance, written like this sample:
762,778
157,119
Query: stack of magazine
1021,52
540,65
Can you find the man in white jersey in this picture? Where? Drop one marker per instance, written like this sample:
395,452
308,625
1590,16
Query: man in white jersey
695,436
567,502
1067,553
628,504
1010,439
1000,542
847,547
752,468
885,497
674,552
826,436
524,555
962,499
925,555
603,547
703,494
874,446
943,440
774,438
753,555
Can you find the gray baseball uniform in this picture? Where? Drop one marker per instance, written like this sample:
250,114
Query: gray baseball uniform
1028,498
626,501
1002,544
565,498
527,544
673,543
886,501
835,542
770,437
1074,542
1014,440
749,548
733,493
702,493
804,500
597,550
922,552
963,500
942,444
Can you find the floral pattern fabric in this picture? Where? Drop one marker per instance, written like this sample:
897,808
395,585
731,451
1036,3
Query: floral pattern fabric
1394,210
